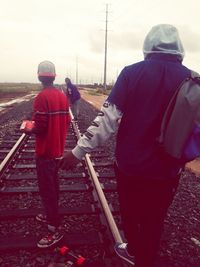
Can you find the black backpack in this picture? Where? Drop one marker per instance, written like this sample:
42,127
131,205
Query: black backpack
180,128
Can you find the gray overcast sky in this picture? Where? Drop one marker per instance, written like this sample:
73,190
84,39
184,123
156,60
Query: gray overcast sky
65,30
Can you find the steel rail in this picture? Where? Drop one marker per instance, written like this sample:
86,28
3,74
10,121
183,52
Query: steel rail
102,198
11,152
100,193
111,222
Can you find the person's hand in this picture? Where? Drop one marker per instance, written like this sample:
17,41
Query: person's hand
69,161
26,131
27,127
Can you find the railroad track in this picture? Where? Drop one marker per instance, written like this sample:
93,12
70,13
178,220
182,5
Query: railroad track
86,206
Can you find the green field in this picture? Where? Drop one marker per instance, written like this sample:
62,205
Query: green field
18,87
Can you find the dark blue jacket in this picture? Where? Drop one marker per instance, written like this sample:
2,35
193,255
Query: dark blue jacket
142,92
73,93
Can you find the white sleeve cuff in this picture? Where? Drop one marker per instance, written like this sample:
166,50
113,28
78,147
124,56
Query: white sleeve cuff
78,152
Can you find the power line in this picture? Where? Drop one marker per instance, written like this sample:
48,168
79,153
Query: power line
106,38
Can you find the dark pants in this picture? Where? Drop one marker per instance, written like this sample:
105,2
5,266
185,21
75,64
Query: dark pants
143,205
47,174
75,109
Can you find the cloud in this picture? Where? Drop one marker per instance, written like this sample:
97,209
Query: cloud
130,40
117,41
96,41
62,30
190,39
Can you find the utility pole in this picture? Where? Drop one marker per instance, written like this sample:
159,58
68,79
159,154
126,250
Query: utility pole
105,58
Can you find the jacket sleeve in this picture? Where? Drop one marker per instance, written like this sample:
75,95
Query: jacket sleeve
105,124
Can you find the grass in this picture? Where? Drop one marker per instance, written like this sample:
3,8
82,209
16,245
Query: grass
99,91
15,88
94,92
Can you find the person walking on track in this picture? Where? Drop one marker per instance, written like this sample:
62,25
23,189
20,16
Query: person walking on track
51,117
74,97
147,178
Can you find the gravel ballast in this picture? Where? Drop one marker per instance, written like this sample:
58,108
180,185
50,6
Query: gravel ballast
180,244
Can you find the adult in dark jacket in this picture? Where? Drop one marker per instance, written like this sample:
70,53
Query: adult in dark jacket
147,179
74,97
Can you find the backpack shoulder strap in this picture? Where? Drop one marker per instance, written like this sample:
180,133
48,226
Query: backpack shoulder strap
166,117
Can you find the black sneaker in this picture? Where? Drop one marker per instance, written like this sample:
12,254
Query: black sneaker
50,240
41,218
121,250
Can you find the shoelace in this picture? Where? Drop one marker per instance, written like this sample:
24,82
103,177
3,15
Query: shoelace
122,245
47,238
51,237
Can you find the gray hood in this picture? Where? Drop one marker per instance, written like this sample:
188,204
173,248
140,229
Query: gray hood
163,39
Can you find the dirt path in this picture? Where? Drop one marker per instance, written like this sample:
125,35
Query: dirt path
94,99
194,166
